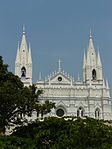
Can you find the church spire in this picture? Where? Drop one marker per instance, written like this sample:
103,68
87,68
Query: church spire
98,59
23,63
18,54
91,45
84,61
107,84
84,67
24,46
90,36
91,54
23,29
40,76
90,72
29,55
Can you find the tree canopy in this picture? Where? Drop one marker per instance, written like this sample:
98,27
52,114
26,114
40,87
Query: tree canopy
17,101
68,133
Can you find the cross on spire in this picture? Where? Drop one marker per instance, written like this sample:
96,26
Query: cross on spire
90,33
59,64
23,29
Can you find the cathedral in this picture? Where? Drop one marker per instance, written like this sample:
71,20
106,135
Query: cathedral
87,97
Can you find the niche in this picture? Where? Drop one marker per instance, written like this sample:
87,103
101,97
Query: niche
23,72
93,74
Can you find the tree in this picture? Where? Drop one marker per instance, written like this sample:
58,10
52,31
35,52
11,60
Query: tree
17,101
10,142
68,133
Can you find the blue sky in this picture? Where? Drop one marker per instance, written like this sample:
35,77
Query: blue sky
57,29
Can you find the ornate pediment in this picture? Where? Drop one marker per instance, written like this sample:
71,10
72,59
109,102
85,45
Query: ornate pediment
60,78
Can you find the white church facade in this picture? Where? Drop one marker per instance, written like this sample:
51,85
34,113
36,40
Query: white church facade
89,97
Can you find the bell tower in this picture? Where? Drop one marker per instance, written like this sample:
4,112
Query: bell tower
23,63
92,67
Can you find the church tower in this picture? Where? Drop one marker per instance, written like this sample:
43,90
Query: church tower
92,67
23,63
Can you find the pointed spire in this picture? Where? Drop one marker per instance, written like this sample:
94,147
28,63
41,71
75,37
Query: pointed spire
88,59
23,46
91,54
23,29
78,77
84,61
98,59
91,45
29,55
107,84
90,36
18,54
40,76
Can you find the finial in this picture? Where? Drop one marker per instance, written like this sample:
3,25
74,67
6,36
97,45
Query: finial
59,64
84,60
90,36
107,84
23,29
40,76
78,77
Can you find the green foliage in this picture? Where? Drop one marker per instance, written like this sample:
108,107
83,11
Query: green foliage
68,133
7,142
17,101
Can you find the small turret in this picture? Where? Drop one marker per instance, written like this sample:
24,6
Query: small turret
84,67
40,76
29,55
84,61
18,54
99,60
99,68
107,84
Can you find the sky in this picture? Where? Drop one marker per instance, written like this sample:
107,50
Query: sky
57,29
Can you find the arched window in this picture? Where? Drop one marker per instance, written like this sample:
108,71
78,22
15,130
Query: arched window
80,112
94,74
23,72
97,113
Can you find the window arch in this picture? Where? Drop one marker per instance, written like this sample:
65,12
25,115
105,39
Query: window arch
80,112
94,74
97,113
23,72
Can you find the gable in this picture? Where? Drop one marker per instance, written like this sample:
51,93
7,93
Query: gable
60,78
